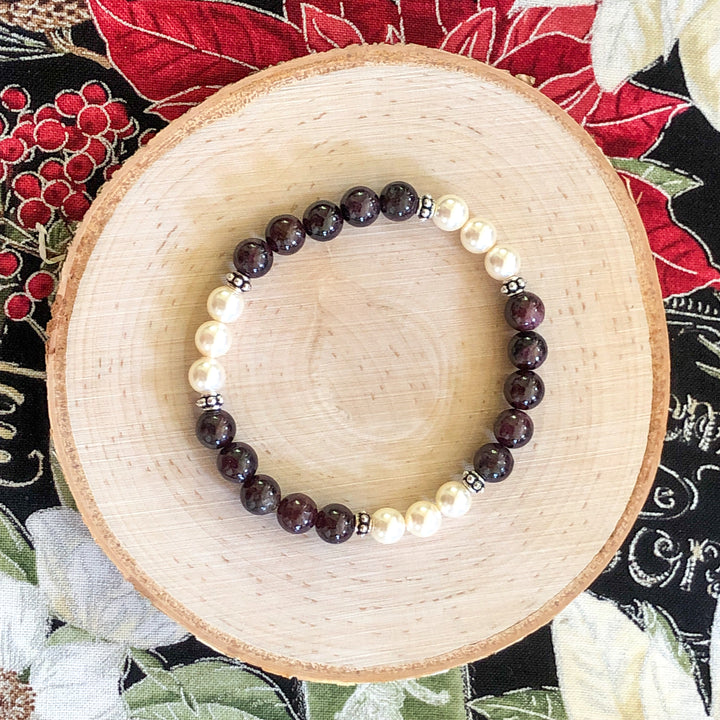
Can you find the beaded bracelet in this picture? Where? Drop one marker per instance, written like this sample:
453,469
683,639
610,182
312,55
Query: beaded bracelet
323,220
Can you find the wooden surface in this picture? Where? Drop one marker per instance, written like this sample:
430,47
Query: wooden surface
366,370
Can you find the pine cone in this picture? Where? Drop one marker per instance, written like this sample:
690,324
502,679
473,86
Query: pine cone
43,15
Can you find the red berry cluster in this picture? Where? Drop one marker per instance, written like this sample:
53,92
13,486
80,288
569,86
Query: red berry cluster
49,155
40,285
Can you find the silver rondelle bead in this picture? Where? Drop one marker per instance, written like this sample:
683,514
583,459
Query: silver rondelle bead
238,281
426,209
210,402
513,286
363,523
473,481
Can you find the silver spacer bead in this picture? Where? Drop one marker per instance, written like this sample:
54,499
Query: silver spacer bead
210,402
363,523
426,209
239,282
513,286
473,481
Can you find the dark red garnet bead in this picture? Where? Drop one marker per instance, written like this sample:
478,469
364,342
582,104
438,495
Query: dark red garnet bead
215,429
513,428
296,513
360,206
524,389
253,257
399,201
335,523
527,350
237,462
260,495
285,234
493,462
323,220
524,311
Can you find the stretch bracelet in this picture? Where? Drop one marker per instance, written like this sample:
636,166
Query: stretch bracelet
323,220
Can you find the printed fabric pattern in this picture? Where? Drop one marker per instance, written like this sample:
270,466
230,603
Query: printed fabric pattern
85,83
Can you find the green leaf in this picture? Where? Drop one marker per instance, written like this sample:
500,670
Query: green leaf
68,634
324,700
180,711
448,685
61,486
526,704
232,685
145,660
197,687
435,696
157,687
15,234
17,558
668,181
58,236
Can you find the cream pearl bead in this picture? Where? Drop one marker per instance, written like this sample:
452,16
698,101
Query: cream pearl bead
225,305
453,499
206,375
213,339
451,213
478,235
502,263
387,525
423,518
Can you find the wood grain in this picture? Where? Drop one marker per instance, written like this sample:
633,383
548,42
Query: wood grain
366,370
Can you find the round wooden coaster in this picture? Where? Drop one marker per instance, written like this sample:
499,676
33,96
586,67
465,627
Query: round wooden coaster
366,370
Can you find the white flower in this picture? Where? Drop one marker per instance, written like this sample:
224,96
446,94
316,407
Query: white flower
628,35
58,677
79,680
384,701
83,588
700,58
24,623
609,667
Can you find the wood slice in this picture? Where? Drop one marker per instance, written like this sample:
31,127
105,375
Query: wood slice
366,370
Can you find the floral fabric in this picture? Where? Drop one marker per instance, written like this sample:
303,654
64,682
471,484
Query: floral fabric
84,83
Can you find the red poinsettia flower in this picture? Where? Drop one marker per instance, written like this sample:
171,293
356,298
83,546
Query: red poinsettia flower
178,52
680,258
